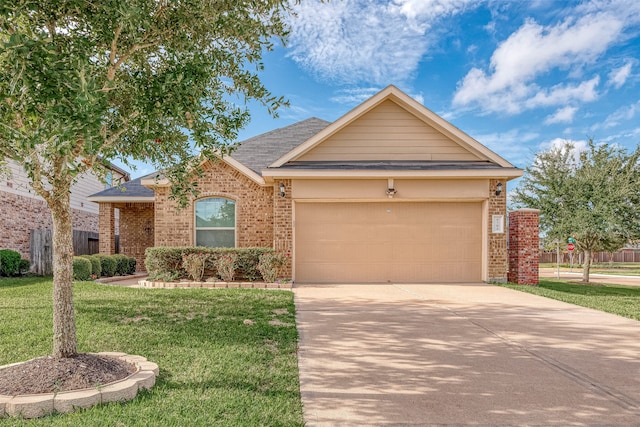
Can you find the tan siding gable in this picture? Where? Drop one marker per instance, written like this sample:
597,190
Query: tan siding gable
18,183
388,132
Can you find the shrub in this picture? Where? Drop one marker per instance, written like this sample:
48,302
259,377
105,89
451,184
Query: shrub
96,267
194,265
226,266
9,262
122,264
81,268
108,265
25,266
132,265
167,261
271,265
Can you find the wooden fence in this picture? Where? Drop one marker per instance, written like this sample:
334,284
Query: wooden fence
625,255
41,248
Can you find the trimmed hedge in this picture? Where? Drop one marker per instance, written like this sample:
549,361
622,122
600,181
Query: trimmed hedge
108,265
167,261
11,263
124,265
96,267
81,268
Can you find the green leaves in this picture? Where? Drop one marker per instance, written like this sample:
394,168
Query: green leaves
592,195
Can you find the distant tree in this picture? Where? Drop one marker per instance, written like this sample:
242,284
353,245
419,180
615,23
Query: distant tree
82,83
592,196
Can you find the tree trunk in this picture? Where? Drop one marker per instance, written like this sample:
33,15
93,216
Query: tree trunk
64,325
586,265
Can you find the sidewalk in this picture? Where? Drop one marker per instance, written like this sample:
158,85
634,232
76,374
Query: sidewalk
576,274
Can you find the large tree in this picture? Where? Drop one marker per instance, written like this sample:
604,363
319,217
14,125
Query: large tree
591,195
83,83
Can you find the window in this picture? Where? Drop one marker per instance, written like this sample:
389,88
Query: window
216,223
108,180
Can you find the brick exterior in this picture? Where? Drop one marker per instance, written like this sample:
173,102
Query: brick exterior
107,230
136,230
498,258
524,246
283,222
22,214
254,208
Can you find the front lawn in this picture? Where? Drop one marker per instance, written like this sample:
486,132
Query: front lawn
226,356
616,299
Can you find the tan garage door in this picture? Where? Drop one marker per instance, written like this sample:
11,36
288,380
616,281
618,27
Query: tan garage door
388,242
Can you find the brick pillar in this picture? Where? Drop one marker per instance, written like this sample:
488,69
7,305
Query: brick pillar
283,221
524,246
498,258
107,228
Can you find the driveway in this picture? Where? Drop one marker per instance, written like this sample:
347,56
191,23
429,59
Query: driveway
468,354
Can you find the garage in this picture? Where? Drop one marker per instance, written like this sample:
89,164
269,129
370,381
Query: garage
369,242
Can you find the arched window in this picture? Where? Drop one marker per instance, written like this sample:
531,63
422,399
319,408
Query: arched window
216,222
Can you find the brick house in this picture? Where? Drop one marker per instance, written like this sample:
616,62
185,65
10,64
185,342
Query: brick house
388,192
22,210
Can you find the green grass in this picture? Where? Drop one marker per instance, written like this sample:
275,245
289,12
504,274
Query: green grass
620,268
214,369
616,299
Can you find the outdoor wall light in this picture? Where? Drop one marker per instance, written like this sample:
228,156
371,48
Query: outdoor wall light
282,189
391,190
498,189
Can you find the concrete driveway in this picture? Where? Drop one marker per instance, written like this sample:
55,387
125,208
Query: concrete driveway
469,354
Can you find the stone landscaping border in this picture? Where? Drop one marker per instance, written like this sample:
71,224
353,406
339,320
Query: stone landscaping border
223,285
39,405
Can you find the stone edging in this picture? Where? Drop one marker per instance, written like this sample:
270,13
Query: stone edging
39,405
248,285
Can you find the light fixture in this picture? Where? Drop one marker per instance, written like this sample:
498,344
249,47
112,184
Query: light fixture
282,189
498,189
391,191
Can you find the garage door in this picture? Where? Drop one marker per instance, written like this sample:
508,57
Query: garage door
388,242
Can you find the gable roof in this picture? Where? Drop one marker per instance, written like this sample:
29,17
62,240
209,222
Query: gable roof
408,104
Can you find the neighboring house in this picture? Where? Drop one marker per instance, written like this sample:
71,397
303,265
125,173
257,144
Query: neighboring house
22,210
390,192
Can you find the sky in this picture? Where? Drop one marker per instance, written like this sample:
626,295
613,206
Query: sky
518,76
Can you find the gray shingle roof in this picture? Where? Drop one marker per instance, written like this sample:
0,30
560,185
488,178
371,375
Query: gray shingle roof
259,152
131,189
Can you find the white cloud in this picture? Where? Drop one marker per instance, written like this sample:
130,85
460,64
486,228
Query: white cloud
533,51
362,41
578,146
354,95
622,114
512,144
562,115
619,76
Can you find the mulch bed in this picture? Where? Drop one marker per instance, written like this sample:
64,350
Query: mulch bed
50,375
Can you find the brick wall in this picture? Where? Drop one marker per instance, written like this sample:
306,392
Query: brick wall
21,214
283,222
254,208
498,264
524,246
136,230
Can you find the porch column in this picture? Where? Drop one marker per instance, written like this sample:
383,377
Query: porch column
107,228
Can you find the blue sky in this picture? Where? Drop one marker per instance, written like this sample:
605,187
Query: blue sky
518,76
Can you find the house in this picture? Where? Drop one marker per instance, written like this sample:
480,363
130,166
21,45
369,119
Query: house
22,210
388,192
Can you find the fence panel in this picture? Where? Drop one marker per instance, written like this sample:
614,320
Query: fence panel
41,248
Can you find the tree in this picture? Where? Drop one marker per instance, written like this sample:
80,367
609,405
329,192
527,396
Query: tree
83,83
592,196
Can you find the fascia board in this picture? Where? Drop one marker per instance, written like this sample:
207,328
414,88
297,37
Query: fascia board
117,199
503,173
